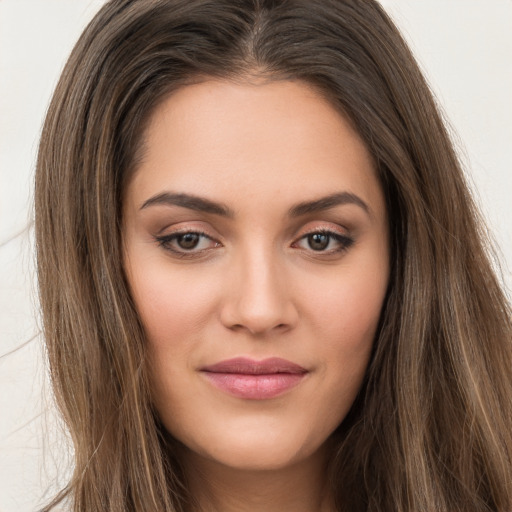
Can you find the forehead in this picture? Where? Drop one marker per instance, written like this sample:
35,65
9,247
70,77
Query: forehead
280,138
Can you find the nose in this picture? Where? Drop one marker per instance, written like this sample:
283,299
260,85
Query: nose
258,297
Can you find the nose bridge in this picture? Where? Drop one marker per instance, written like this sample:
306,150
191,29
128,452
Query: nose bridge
260,299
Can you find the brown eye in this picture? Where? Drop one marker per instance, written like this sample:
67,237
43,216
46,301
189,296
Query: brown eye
318,241
324,242
188,241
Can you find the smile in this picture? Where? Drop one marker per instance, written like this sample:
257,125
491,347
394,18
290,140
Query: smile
254,380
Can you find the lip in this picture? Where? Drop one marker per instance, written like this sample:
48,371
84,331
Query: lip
254,380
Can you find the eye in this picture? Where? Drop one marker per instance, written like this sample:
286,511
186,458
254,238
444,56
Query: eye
324,241
187,242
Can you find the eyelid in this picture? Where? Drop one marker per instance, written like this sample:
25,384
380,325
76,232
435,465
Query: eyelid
322,227
182,226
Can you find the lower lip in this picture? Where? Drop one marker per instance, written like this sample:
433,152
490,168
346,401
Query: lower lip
254,387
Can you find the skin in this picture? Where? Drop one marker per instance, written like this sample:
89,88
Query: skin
257,284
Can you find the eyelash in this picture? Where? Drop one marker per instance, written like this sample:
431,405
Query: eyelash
344,241
165,241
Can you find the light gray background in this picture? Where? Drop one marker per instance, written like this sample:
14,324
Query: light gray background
464,47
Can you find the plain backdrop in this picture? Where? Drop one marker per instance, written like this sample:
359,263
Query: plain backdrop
463,46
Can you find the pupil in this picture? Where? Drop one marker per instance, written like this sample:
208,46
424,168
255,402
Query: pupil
318,241
188,240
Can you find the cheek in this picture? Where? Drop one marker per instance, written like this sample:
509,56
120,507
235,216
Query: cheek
172,305
347,307
174,309
345,313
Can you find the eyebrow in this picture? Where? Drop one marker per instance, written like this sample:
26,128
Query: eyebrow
325,203
201,204
188,201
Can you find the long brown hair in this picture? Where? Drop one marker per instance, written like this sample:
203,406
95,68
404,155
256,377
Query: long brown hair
431,428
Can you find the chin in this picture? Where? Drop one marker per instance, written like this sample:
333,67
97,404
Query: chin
263,450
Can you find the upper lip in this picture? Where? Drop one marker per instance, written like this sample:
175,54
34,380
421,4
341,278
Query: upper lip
246,366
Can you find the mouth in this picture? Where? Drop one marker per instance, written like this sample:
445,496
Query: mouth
254,380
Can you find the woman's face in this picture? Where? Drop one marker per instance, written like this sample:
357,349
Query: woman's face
257,251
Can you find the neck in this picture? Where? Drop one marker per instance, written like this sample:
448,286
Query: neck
300,487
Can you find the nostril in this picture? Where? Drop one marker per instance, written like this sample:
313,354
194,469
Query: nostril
258,329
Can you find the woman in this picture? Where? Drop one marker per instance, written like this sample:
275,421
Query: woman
263,281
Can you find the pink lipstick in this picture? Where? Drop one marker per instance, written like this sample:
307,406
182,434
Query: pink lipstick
254,380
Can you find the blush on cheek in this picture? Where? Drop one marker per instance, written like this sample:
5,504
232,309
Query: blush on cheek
170,307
